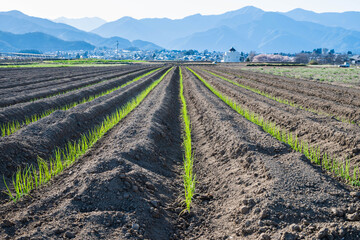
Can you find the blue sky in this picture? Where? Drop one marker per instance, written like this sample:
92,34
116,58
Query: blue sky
114,9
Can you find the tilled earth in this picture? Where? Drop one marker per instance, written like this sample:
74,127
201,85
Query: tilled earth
129,184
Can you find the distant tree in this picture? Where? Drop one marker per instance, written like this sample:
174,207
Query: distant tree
317,51
332,51
77,56
340,59
349,52
328,59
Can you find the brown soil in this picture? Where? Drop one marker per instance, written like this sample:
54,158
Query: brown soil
42,137
336,138
124,188
253,187
22,94
335,100
19,112
129,185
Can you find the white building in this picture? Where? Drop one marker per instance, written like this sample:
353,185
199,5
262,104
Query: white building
231,56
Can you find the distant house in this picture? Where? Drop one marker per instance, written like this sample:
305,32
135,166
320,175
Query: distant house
355,59
232,56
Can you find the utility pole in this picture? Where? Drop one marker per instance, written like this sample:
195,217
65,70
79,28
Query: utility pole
117,47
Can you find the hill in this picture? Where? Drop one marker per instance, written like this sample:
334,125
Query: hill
246,29
10,42
347,20
19,23
85,24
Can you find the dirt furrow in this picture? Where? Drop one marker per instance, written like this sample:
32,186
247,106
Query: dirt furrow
42,137
73,81
340,101
19,112
336,138
39,75
124,188
13,98
250,186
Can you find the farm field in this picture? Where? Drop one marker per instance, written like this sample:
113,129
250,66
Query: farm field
349,76
177,152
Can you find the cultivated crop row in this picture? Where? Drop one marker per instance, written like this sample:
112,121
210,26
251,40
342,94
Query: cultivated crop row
125,159
314,154
60,127
32,177
343,102
22,77
8,128
188,176
11,97
334,137
281,100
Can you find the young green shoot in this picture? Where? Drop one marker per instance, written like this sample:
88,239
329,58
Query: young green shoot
29,178
337,168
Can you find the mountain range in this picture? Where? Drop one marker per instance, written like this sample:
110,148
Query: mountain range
42,42
245,29
64,35
347,20
85,24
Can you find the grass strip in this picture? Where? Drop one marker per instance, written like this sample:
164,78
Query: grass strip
13,126
337,168
32,177
188,176
282,100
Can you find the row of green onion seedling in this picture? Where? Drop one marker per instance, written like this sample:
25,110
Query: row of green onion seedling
337,168
67,91
33,177
188,158
281,100
13,126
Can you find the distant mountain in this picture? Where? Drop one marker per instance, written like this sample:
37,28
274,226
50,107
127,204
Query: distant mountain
273,32
246,29
144,45
347,20
19,23
85,24
42,42
162,31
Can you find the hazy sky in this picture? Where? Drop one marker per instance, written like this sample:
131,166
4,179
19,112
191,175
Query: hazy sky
114,9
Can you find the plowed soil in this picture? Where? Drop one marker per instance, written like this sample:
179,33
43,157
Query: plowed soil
129,184
331,99
334,137
43,136
20,94
21,111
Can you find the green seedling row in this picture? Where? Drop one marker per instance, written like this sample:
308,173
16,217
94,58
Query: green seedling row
64,92
33,177
11,127
281,100
314,154
188,176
